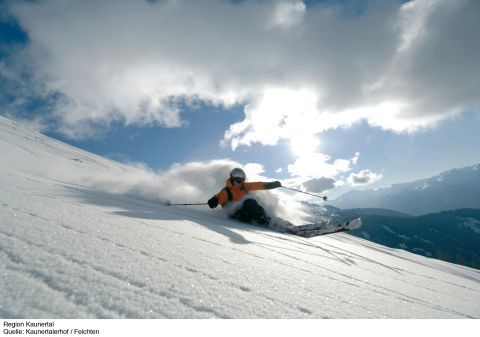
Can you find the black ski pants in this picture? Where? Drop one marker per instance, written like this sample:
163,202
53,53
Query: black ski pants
251,211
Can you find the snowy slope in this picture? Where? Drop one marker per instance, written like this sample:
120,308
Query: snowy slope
71,249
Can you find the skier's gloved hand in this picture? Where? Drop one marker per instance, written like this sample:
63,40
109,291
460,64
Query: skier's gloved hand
273,184
213,202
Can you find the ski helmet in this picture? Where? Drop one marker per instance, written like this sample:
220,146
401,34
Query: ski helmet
237,173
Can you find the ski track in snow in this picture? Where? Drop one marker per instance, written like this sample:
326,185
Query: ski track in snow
72,251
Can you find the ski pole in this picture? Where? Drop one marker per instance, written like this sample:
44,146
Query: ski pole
315,195
168,203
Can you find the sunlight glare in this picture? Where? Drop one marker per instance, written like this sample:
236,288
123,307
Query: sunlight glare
296,114
303,145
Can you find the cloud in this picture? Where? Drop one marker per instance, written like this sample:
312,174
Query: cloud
363,177
316,165
319,185
279,114
287,14
400,84
141,62
253,170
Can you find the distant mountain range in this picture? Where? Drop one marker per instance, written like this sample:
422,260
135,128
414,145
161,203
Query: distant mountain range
452,236
438,217
457,188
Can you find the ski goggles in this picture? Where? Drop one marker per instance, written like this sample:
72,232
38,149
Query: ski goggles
239,180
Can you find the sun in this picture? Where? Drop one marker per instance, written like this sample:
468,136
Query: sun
296,114
303,145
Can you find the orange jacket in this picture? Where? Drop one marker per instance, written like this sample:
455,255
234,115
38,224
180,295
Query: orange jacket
233,193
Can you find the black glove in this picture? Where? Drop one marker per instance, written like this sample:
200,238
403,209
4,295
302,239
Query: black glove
213,202
273,184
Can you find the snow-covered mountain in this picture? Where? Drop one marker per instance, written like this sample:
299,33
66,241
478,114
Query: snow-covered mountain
452,236
72,248
453,189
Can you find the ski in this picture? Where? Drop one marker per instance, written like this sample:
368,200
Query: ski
345,226
311,230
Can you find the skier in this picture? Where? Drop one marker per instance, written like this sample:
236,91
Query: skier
234,198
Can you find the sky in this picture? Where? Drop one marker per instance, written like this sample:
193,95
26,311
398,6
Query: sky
324,95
